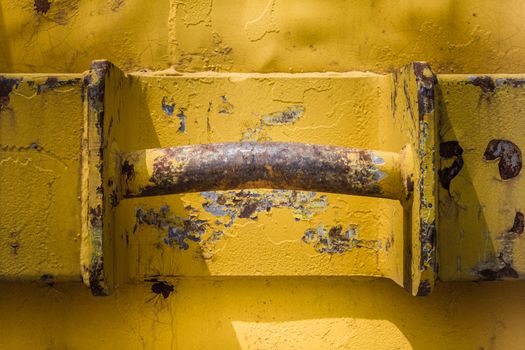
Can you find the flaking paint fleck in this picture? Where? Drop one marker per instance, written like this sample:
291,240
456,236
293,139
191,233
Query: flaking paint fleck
288,116
225,107
501,266
177,231
337,239
229,206
168,106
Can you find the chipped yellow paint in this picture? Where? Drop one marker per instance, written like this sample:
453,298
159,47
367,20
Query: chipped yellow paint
40,140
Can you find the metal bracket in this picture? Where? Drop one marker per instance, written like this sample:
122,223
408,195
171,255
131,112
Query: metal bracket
408,175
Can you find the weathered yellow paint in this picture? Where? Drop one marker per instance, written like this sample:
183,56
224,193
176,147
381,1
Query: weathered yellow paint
41,165
40,133
263,35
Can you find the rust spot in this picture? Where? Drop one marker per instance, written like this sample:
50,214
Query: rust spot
450,149
114,198
428,242
42,6
6,86
509,157
96,277
264,165
425,91
53,83
485,83
507,271
95,217
519,223
409,187
161,287
424,288
127,170
501,267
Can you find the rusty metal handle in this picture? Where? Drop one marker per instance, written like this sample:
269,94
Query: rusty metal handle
277,165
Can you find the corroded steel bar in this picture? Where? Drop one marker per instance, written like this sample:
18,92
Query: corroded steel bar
279,165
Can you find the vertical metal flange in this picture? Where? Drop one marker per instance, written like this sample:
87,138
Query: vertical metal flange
95,251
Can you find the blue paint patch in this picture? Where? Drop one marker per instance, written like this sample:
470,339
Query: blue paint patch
182,118
247,204
377,160
168,106
180,231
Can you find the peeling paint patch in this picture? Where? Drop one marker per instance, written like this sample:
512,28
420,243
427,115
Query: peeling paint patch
182,119
450,149
257,28
425,92
225,107
179,231
168,106
289,116
127,170
510,159
337,240
424,288
286,117
502,265
208,245
96,277
54,83
485,83
229,206
513,82
428,243
6,87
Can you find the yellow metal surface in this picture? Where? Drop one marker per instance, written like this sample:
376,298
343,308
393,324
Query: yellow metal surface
40,134
40,171
250,232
